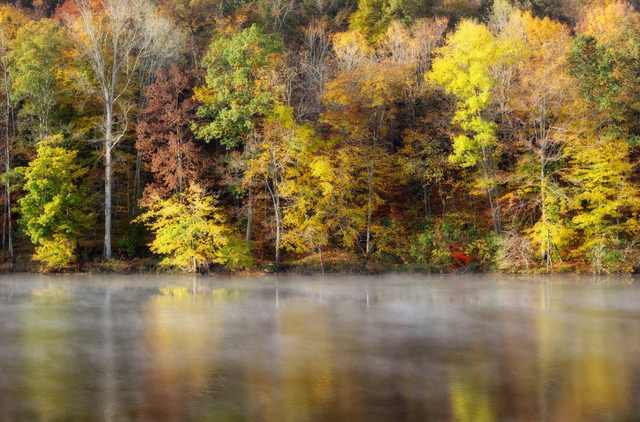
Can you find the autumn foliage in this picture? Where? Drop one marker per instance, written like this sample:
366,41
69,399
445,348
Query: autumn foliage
164,136
324,136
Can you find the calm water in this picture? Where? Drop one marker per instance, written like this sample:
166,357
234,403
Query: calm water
395,348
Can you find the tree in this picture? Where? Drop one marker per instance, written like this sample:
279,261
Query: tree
165,43
614,25
197,16
165,139
420,151
190,232
55,210
306,218
110,39
426,163
606,200
593,67
35,60
237,89
324,193
613,30
360,100
11,19
410,49
371,19
465,67
269,162
279,11
543,100
314,70
604,65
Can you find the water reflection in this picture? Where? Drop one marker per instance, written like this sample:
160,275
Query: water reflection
357,349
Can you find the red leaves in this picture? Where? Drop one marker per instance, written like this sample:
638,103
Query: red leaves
460,257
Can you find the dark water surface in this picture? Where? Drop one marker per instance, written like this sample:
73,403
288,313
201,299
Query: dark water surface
393,348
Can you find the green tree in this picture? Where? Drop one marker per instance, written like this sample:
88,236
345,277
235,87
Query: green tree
55,210
372,19
35,63
237,89
189,231
593,67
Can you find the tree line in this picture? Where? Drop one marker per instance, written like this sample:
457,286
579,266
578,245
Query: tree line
342,135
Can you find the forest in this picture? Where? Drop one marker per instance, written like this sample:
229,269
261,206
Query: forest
320,135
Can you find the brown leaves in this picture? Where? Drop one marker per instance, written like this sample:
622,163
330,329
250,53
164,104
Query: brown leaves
165,138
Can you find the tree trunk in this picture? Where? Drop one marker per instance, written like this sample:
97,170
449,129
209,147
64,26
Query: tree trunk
546,249
278,228
108,180
249,234
137,181
273,188
492,191
370,201
8,166
371,170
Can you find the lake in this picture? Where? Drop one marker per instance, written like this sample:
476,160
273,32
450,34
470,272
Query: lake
383,348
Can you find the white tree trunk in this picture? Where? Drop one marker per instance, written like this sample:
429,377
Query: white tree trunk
108,173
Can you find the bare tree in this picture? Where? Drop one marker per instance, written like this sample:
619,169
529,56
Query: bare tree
112,40
197,18
412,48
280,10
314,69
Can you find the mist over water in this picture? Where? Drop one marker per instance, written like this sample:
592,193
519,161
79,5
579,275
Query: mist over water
388,348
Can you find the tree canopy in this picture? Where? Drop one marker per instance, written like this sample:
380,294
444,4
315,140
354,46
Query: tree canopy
336,135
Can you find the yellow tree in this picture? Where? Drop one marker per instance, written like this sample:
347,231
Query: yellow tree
466,66
612,24
270,157
603,62
307,217
360,102
323,193
543,100
190,231
606,200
